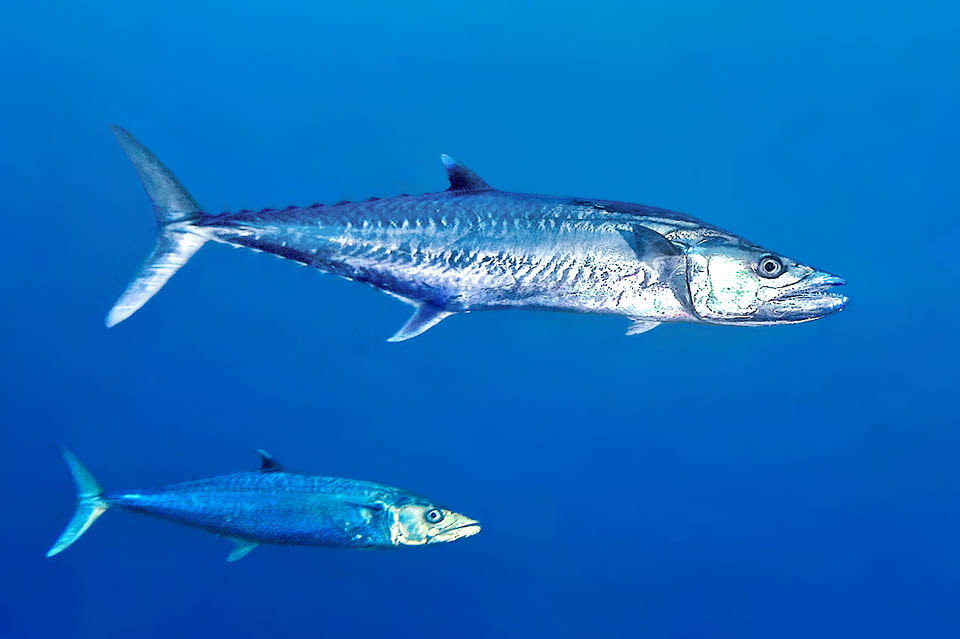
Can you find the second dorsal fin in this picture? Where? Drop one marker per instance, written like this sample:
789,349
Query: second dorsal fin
462,178
267,463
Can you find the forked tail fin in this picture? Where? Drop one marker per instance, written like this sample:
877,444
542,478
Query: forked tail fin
90,503
176,242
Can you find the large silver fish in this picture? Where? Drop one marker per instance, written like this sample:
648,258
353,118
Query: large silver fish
273,506
473,248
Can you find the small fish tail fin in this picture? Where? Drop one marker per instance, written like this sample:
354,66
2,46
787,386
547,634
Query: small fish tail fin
176,241
90,503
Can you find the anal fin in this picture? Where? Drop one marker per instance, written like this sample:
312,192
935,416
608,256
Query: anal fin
424,318
641,326
241,548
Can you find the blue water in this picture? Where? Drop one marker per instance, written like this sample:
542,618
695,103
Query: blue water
694,481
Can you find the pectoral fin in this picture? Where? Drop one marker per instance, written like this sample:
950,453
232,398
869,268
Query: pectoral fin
241,548
369,511
649,245
641,326
374,506
425,317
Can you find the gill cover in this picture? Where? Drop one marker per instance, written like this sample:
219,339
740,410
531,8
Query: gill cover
722,284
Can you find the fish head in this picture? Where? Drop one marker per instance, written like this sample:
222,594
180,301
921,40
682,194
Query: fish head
734,282
420,523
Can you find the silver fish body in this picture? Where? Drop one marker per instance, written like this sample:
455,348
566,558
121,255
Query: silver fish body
472,251
474,248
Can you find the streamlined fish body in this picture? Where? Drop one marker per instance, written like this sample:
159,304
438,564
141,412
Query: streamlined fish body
471,251
473,248
277,507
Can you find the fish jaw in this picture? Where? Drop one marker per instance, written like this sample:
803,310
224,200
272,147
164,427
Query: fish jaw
811,298
460,528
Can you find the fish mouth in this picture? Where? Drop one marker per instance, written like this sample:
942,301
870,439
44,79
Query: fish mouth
811,298
468,528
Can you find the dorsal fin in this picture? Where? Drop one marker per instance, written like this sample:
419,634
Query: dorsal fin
267,463
462,178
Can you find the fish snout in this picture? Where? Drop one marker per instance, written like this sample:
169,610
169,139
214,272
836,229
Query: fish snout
460,526
811,298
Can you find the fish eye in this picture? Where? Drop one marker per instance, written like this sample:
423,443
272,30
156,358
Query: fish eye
770,267
434,515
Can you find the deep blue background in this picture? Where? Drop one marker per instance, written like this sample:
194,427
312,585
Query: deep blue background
694,481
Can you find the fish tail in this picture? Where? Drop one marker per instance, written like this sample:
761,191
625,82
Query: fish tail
90,503
177,239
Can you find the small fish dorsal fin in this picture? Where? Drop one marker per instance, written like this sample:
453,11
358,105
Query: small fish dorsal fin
267,463
462,178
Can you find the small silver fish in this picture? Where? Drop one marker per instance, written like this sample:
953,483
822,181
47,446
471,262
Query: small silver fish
273,506
473,248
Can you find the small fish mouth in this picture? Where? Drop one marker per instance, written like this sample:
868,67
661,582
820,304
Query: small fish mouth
811,298
467,529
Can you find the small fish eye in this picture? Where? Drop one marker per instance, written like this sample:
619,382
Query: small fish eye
434,516
770,267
